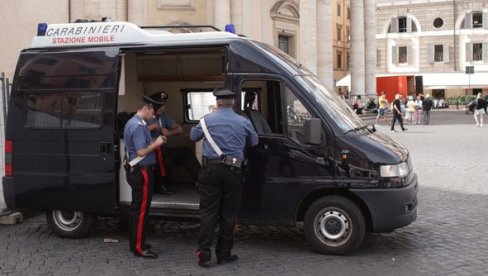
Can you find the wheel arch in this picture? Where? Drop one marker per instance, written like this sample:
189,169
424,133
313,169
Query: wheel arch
315,195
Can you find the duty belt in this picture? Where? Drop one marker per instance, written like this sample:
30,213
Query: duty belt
226,160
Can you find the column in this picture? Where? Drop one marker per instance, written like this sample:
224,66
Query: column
308,34
370,48
221,13
137,12
357,48
324,42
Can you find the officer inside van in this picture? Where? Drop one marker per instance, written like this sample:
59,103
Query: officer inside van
166,157
140,147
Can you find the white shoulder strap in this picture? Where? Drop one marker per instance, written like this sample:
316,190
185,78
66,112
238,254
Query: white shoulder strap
210,139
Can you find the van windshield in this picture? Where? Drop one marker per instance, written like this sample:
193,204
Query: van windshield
327,99
342,115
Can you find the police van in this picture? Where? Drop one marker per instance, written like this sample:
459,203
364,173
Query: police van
317,164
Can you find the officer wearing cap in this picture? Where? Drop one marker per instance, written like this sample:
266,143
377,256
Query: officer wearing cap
167,158
221,176
139,144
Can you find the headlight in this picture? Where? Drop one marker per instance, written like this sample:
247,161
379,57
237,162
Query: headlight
397,170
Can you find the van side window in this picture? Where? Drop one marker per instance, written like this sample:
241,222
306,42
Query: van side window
297,114
70,110
260,103
199,104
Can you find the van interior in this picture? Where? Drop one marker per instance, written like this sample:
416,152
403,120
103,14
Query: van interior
188,76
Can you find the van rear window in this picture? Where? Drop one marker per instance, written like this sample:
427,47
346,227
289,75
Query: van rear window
71,110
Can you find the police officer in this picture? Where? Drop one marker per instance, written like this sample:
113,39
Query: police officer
138,143
167,158
221,176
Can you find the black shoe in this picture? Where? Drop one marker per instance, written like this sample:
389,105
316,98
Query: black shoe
146,253
202,261
228,259
165,191
404,129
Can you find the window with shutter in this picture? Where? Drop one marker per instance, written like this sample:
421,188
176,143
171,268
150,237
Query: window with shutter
430,53
394,54
394,25
468,21
477,51
438,53
402,54
469,51
445,52
477,20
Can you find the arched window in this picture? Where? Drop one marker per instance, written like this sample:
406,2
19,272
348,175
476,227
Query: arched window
402,24
475,19
285,26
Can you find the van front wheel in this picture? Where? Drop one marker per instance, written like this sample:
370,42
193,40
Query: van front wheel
334,225
70,224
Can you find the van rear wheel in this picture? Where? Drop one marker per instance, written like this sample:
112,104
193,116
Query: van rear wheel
70,224
334,225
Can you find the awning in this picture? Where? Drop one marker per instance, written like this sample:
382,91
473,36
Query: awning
438,80
454,80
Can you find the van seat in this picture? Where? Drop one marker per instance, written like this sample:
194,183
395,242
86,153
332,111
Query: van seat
258,121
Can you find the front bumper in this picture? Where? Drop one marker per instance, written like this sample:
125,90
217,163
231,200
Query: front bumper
390,208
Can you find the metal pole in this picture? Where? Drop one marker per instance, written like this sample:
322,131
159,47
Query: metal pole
4,97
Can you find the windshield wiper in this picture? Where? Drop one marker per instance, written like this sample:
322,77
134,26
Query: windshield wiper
373,129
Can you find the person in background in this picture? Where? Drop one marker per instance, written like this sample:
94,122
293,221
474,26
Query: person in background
397,113
382,106
167,158
418,109
479,110
140,176
426,107
358,105
410,110
221,176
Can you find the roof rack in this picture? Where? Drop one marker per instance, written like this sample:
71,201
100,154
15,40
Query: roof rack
185,28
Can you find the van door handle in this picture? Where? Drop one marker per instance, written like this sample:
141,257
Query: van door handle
105,148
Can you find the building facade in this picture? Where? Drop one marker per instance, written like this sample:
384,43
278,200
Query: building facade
436,43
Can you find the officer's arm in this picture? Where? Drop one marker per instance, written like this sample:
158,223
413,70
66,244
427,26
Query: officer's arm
196,133
252,136
140,145
175,130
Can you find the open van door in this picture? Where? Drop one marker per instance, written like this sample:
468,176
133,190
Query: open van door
61,126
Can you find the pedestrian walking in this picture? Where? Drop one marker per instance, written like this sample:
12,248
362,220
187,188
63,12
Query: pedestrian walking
382,107
397,113
426,108
139,167
225,135
479,110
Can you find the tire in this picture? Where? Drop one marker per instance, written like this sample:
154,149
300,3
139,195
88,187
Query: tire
334,225
70,224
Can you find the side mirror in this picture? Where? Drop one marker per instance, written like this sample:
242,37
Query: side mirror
313,131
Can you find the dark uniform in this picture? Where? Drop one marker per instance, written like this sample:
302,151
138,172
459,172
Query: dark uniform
140,178
221,178
167,158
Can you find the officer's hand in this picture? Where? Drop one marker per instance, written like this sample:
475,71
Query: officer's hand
165,131
160,140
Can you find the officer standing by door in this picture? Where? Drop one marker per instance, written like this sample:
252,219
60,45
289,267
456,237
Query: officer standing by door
225,135
140,148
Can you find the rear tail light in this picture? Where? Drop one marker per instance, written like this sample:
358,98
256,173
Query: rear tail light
8,158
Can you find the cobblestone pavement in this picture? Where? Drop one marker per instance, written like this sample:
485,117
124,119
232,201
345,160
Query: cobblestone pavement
448,238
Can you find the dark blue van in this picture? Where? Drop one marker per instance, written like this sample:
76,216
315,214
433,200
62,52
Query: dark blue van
316,164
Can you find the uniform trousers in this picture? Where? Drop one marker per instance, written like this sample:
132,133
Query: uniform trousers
141,182
168,158
220,197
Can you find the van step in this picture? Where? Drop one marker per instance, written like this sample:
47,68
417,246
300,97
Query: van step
11,218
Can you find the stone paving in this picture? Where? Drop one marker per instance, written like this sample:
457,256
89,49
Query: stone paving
448,238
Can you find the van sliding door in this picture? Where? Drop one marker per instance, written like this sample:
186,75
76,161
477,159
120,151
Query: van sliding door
61,124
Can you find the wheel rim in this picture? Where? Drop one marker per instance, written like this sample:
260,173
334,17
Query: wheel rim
333,226
67,220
